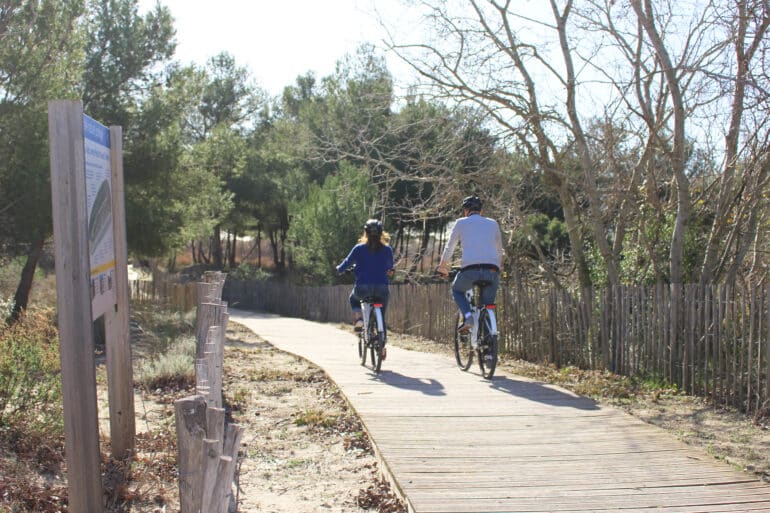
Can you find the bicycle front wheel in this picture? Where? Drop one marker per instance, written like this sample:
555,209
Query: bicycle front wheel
463,349
487,349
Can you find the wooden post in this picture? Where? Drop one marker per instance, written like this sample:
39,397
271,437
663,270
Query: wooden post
212,454
209,314
190,433
120,378
70,222
233,433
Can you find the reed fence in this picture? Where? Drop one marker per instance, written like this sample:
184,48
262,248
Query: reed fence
182,296
711,340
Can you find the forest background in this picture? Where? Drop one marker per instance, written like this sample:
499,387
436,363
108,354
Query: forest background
616,142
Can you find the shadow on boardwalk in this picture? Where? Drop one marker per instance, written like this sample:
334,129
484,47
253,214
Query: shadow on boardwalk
542,393
427,386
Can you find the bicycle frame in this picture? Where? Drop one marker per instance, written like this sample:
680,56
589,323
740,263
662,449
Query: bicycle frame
367,310
474,297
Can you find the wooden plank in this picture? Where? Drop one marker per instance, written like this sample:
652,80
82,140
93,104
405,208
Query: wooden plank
73,298
120,374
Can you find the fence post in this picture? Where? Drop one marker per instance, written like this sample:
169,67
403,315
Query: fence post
208,449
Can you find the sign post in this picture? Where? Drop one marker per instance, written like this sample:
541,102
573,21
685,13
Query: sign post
91,281
120,374
73,274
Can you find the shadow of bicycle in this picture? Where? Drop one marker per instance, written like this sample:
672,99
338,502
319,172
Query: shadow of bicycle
542,393
427,386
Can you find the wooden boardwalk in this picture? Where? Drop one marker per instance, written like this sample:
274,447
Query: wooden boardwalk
451,441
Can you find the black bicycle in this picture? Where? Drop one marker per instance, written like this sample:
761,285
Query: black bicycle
481,340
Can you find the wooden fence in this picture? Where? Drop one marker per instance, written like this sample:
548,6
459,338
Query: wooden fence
712,341
207,446
182,296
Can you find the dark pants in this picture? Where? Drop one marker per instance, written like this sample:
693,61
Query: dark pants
381,292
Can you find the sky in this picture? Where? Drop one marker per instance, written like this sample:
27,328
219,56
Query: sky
277,40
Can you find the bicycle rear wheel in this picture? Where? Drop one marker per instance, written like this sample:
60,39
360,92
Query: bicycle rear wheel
487,349
374,342
362,347
463,349
377,347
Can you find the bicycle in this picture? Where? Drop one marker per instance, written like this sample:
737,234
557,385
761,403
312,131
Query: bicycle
372,336
482,338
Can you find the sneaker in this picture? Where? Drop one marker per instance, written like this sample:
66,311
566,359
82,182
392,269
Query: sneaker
358,321
466,326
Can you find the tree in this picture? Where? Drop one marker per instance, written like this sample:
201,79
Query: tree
170,198
122,50
746,23
480,57
229,102
618,102
40,58
52,56
327,223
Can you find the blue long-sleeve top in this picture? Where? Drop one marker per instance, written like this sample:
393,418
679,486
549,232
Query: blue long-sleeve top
371,268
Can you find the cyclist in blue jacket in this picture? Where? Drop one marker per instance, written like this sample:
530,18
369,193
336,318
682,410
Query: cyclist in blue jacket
373,260
482,256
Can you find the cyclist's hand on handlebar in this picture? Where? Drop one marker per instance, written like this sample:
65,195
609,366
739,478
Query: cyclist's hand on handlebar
442,270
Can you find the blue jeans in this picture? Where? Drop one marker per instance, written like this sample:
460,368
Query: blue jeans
379,291
464,281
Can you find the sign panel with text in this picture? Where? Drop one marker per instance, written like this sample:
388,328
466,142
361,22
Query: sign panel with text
100,228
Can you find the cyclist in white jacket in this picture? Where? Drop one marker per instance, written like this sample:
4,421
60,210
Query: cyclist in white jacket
482,256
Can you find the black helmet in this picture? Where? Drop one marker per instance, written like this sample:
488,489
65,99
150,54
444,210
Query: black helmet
373,227
472,203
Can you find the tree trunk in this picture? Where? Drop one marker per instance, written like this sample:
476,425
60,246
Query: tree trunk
216,248
677,155
419,256
202,257
274,247
597,225
233,248
21,298
259,248
743,58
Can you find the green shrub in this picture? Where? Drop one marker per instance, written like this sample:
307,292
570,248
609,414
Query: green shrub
30,380
173,368
248,272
